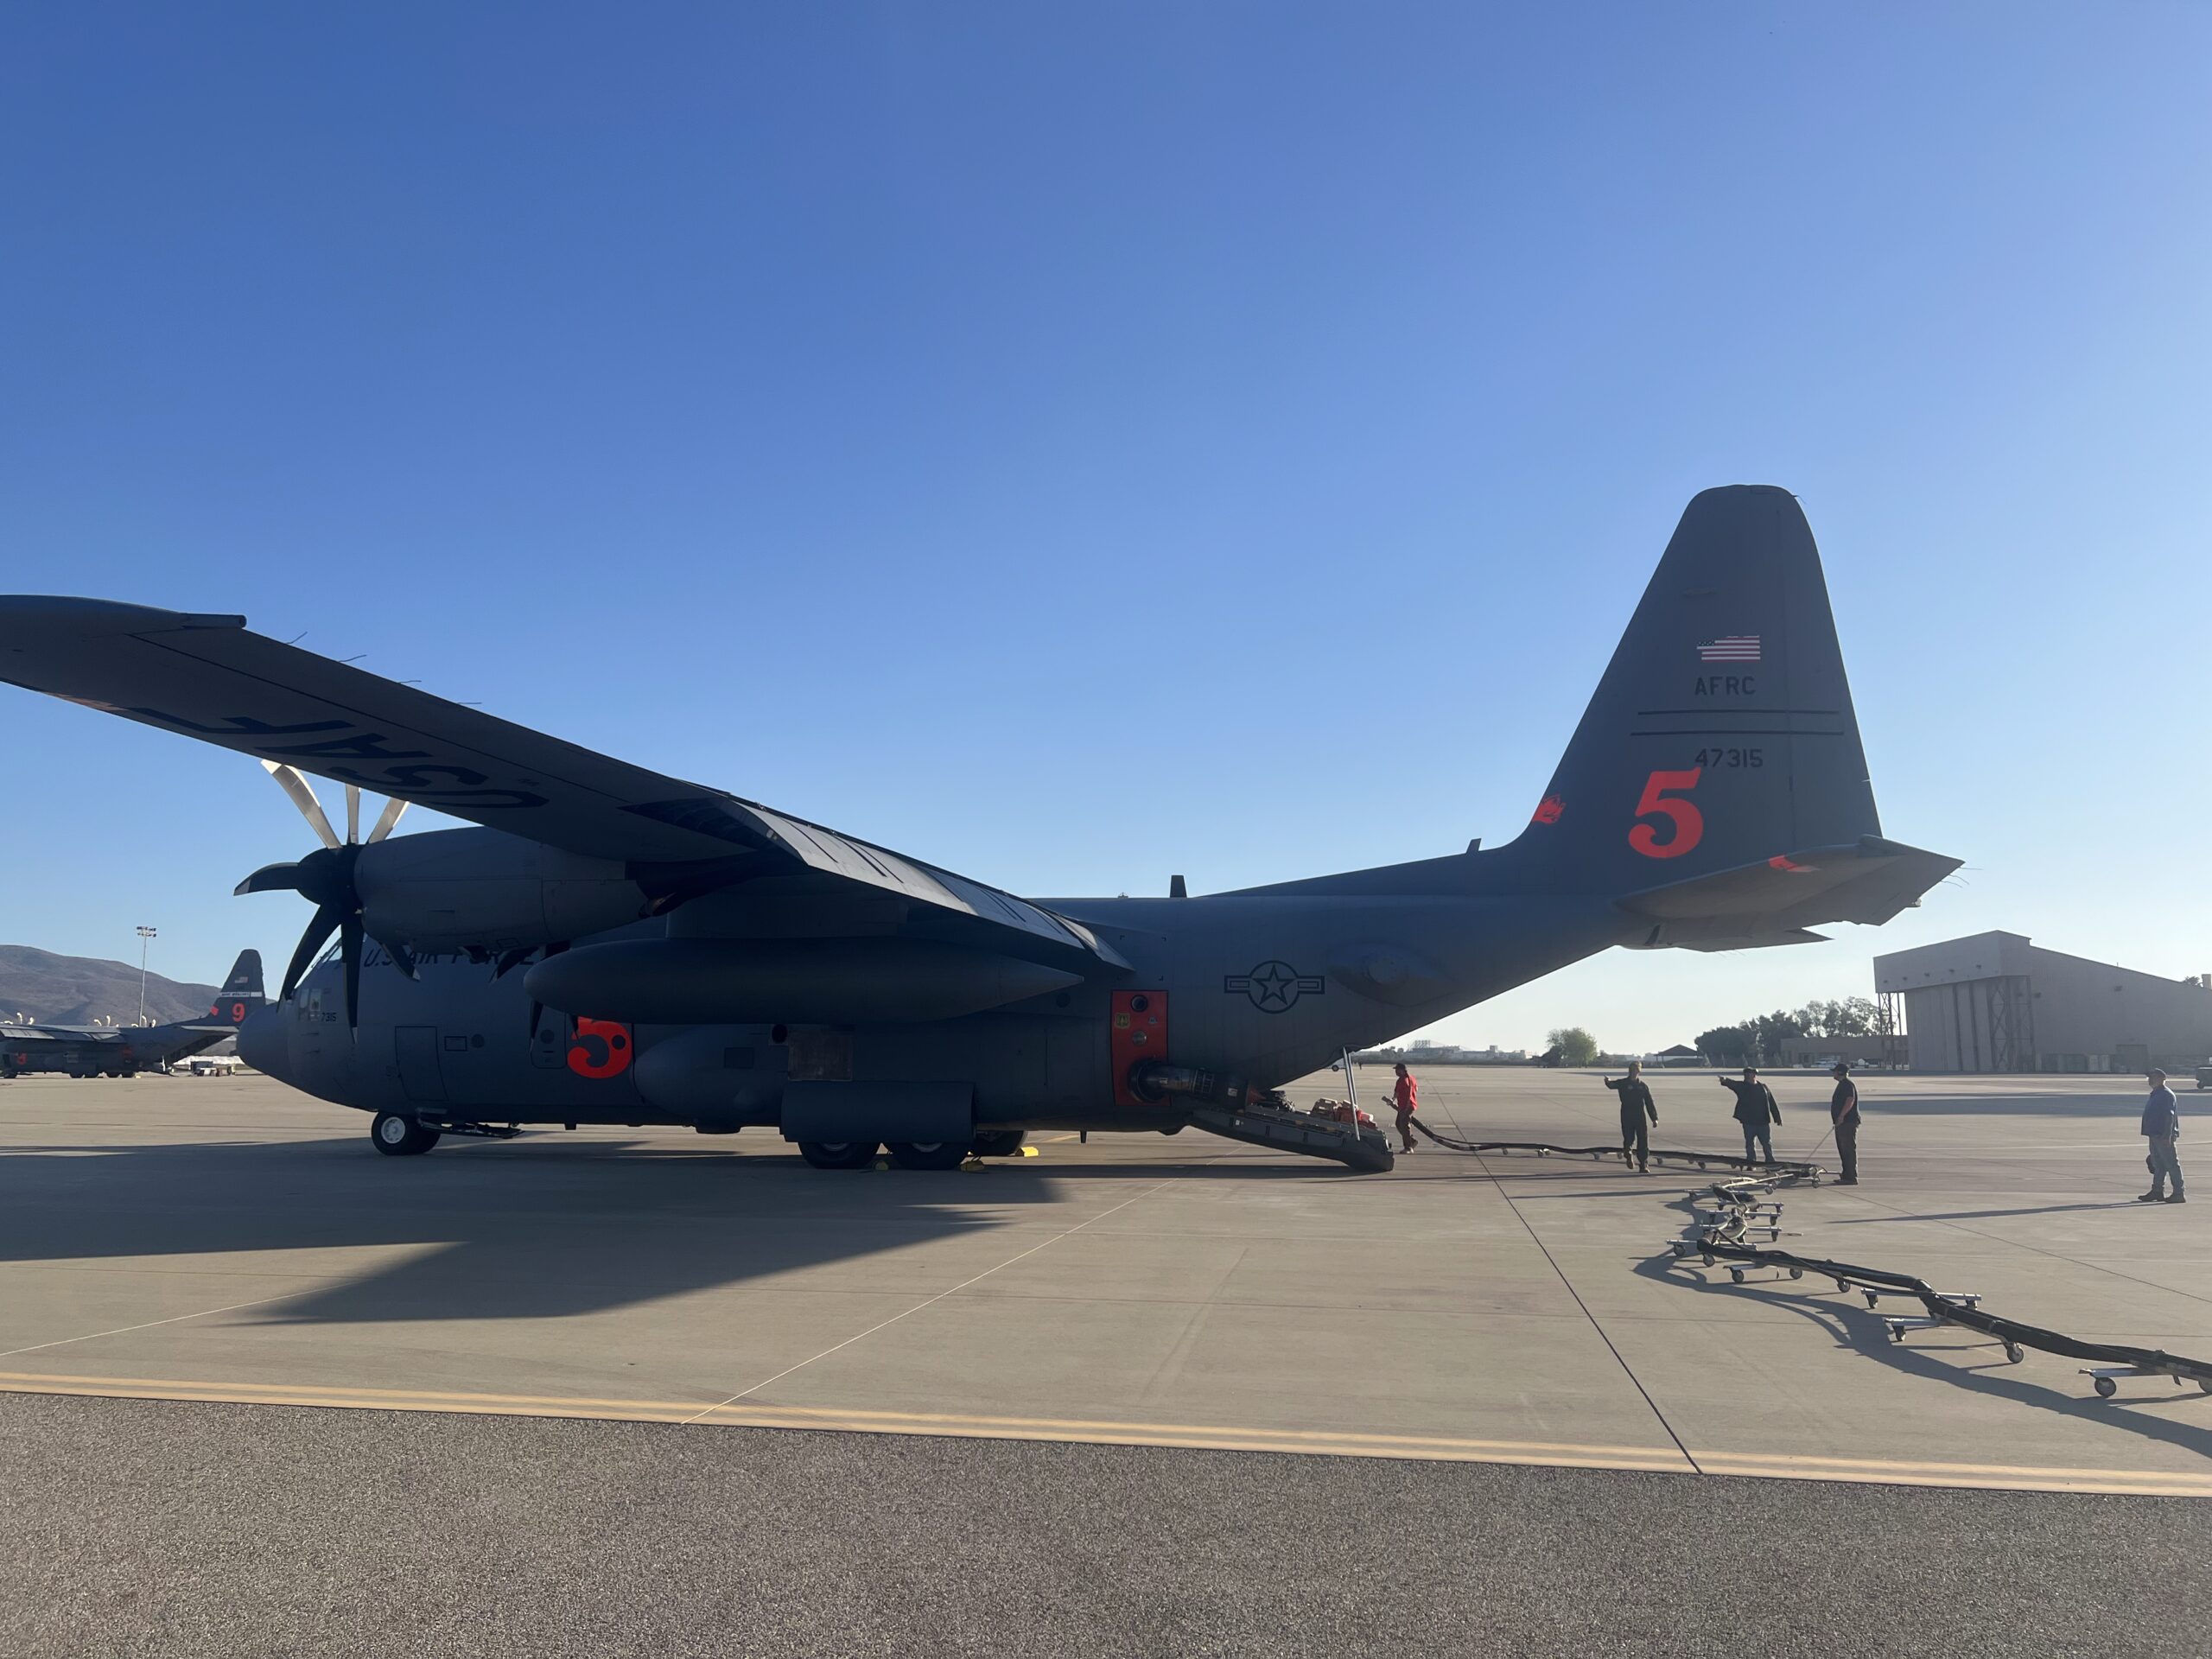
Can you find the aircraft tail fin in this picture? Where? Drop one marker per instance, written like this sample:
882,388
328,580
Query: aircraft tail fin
242,992
1722,733
1716,792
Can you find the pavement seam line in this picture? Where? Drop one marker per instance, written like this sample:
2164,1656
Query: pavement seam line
1635,1382
125,1330
930,1302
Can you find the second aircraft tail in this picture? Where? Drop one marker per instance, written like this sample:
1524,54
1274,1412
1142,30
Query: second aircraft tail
242,991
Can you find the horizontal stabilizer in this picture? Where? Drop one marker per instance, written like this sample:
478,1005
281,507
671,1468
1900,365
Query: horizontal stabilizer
1777,899
1740,941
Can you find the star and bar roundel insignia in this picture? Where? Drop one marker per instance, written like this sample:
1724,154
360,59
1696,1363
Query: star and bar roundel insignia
1274,986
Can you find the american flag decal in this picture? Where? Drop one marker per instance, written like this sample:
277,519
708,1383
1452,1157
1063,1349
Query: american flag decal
1730,648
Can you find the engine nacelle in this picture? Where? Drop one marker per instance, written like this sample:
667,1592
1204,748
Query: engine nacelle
458,889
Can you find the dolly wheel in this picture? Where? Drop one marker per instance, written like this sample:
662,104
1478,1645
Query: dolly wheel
927,1155
2107,1387
2014,1353
838,1154
401,1137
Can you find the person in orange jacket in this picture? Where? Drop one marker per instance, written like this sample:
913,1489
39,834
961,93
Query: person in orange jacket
1402,1096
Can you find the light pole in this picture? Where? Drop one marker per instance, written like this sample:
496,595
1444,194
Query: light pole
145,938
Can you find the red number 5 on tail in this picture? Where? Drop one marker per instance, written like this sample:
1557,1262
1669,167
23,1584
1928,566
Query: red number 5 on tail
1688,822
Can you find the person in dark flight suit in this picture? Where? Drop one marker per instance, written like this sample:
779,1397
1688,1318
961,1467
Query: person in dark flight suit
1756,1111
1635,1107
1843,1112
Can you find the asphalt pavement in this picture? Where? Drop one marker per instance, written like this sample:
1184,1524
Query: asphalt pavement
163,1528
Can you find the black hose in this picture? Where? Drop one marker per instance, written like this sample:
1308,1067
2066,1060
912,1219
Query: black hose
1777,1172
1955,1312
1719,1244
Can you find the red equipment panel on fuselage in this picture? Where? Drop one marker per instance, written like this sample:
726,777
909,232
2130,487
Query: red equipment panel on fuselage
1139,1033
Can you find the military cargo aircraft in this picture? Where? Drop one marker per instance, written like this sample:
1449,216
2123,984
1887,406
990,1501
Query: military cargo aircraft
125,1051
616,946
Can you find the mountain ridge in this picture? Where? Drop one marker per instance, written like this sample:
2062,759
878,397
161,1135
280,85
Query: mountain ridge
59,990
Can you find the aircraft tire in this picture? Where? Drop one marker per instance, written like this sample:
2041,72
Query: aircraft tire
400,1137
838,1154
998,1143
927,1155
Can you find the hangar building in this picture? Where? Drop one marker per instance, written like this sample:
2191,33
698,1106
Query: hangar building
1995,1002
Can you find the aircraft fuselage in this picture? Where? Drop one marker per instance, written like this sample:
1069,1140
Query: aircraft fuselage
1263,987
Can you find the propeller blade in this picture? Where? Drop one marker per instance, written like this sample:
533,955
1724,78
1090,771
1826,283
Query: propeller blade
289,779
270,878
349,938
326,923
353,812
402,958
536,1009
386,819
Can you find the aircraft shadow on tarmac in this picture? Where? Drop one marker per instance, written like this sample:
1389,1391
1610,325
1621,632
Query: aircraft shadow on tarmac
1860,1330
516,1230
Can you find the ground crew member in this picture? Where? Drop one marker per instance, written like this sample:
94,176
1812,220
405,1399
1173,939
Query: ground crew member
1402,1095
2162,1128
1635,1107
1843,1112
1756,1111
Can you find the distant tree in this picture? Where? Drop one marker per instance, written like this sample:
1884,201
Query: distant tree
1855,1016
1725,1043
1574,1045
1767,1031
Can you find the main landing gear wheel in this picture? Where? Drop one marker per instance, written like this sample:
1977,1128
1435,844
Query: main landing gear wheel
401,1137
838,1154
927,1155
997,1143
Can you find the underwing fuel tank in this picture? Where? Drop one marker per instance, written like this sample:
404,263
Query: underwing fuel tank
792,982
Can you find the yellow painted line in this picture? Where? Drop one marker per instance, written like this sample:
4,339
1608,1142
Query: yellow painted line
753,1416
2117,1483
1100,1431
1880,1465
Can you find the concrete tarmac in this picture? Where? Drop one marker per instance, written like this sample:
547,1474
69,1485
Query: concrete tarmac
1153,1305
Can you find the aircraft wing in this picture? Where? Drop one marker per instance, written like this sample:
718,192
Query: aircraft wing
210,677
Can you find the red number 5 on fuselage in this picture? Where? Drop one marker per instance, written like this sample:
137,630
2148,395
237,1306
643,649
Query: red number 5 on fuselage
1688,822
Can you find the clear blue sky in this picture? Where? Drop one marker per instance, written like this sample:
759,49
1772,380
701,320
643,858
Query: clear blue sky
1079,444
